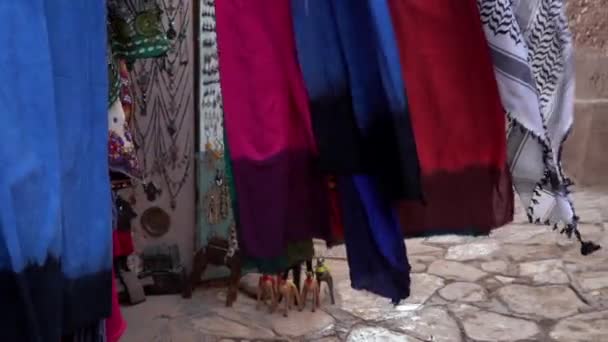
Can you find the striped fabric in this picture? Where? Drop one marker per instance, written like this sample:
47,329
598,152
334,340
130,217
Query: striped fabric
532,52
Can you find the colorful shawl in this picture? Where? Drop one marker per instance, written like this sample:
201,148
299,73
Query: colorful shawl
531,48
55,215
457,116
282,194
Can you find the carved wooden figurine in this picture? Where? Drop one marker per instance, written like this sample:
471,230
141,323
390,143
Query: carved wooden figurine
323,275
218,252
267,287
291,296
311,286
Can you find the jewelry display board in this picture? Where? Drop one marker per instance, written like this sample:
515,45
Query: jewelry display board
164,133
215,219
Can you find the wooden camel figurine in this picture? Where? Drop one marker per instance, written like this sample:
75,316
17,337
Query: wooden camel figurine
296,272
220,252
323,275
290,294
267,290
311,286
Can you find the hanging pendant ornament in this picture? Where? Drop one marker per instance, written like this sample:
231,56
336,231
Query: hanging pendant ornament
143,82
171,128
171,33
224,201
212,205
219,178
152,191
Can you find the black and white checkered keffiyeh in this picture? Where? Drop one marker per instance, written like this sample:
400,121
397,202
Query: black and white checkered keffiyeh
532,51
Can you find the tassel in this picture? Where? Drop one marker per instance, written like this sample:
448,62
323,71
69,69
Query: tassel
587,247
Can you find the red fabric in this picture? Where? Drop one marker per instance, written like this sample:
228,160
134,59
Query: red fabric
122,243
458,120
115,324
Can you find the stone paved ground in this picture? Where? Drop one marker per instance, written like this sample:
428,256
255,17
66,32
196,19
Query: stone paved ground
522,283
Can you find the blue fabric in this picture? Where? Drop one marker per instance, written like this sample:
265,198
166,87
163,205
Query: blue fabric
336,48
376,258
378,91
326,78
359,45
319,50
387,54
407,170
389,275
55,216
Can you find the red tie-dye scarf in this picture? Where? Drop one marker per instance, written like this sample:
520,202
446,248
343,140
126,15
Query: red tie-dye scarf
458,120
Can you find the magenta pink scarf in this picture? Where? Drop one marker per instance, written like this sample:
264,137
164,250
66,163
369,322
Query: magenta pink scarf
281,193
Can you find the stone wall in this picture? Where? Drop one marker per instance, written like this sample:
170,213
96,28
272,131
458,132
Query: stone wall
585,155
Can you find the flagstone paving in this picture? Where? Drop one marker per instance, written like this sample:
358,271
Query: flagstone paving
521,283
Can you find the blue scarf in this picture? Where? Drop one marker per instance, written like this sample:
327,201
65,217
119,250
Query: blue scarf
338,35
326,78
55,216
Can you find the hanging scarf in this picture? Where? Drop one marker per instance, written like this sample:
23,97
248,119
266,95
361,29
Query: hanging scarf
282,195
94,333
327,34
531,48
387,272
377,259
457,117
55,216
214,143
326,78
400,179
